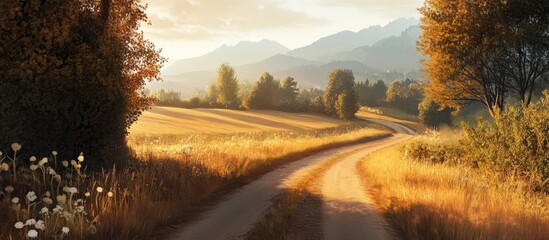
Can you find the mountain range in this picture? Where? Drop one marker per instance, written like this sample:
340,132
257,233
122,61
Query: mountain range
376,52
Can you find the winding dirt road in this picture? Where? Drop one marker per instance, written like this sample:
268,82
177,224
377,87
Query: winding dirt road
347,213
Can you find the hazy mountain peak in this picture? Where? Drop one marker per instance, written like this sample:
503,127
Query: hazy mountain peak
348,40
243,52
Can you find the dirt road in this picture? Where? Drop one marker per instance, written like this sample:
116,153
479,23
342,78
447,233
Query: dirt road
348,211
236,215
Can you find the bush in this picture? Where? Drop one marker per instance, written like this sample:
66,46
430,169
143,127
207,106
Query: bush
435,147
431,114
517,143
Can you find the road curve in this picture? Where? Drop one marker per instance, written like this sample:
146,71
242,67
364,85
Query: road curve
238,213
348,211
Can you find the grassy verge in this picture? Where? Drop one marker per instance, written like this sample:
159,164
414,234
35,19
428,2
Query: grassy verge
173,175
426,200
276,224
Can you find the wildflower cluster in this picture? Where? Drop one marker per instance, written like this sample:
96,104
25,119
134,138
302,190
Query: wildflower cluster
46,197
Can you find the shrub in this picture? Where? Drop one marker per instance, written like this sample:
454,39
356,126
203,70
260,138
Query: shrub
517,143
431,114
435,147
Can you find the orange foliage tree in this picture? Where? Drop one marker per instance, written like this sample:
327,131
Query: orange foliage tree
72,74
484,50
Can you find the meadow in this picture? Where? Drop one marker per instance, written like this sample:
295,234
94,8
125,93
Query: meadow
175,173
430,200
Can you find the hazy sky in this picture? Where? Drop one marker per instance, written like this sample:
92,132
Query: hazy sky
190,28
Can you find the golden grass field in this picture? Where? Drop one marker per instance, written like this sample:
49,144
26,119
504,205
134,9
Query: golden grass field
169,120
436,201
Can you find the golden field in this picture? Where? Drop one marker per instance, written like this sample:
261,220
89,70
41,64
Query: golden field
184,159
177,121
437,201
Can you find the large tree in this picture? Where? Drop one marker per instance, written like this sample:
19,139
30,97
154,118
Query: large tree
227,85
263,91
72,74
484,50
341,82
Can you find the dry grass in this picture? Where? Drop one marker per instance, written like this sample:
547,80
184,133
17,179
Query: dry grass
436,201
174,174
175,121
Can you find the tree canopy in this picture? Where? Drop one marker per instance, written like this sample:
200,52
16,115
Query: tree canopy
341,82
226,85
484,50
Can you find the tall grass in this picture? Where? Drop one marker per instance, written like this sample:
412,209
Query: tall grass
427,200
172,176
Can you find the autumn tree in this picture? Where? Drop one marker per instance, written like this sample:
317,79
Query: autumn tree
396,94
484,50
227,85
288,94
261,96
433,115
72,75
340,81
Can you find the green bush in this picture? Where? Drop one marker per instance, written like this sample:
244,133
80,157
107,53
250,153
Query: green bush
517,143
435,148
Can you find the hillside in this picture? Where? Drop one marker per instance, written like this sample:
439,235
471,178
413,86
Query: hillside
175,121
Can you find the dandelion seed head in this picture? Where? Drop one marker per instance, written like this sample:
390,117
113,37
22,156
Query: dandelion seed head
31,196
30,222
5,167
15,147
62,199
44,210
19,225
65,230
40,225
32,233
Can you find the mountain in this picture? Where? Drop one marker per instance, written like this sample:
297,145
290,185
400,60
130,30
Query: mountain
396,53
244,52
348,40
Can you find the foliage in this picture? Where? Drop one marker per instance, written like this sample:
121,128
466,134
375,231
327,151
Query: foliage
261,96
168,97
395,93
287,95
340,81
484,50
226,86
371,94
346,106
517,143
433,115
72,74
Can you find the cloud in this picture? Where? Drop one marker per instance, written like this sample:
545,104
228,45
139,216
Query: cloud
389,8
202,19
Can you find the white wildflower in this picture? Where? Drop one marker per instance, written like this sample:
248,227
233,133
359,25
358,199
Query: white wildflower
33,167
9,189
80,209
65,230
81,157
40,225
15,200
31,196
44,210
54,153
99,189
30,222
66,189
73,190
57,209
57,178
32,233
19,225
87,194
73,162
109,194
32,159
15,147
65,163
51,171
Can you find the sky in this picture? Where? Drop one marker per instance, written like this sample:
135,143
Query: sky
191,28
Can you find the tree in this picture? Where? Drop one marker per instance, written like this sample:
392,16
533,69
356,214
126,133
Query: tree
261,96
168,97
484,50
288,94
433,115
72,75
340,81
346,106
377,93
395,93
227,85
